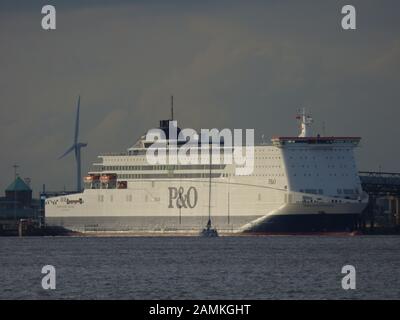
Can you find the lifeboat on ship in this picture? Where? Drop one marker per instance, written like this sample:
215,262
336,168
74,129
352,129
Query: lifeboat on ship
106,178
91,178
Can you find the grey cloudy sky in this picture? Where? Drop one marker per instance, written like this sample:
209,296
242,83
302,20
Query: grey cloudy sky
235,64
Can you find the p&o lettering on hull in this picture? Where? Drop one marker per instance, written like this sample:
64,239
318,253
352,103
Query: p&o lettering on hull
178,198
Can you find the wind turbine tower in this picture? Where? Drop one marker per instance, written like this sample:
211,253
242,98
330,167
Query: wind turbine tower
77,148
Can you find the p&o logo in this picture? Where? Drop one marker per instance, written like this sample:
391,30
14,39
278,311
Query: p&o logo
178,198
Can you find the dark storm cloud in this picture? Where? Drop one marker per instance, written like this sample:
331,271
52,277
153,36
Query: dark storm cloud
242,64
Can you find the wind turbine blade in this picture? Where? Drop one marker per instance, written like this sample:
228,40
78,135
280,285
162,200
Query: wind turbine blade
77,121
68,151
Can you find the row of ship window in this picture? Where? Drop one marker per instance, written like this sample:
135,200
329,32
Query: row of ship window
176,176
269,158
316,167
268,166
189,175
129,198
172,176
163,167
339,191
313,158
310,200
321,150
269,175
317,175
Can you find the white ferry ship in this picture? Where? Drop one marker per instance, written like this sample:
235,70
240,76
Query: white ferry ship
298,185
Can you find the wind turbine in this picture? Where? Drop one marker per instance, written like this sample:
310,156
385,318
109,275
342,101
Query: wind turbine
77,148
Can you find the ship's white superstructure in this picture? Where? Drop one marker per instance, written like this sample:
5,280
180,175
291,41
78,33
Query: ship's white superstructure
299,184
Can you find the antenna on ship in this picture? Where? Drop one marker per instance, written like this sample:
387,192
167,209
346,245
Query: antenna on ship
172,108
209,231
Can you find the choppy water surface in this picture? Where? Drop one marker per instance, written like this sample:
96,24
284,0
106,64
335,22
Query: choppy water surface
277,267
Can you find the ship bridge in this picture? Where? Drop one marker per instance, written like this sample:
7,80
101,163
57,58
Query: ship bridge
318,140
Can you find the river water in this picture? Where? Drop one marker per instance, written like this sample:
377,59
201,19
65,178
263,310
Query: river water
254,267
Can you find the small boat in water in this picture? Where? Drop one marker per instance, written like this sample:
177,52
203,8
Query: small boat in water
209,231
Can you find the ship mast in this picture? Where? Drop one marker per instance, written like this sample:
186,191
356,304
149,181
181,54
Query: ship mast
209,190
172,108
305,124
209,231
